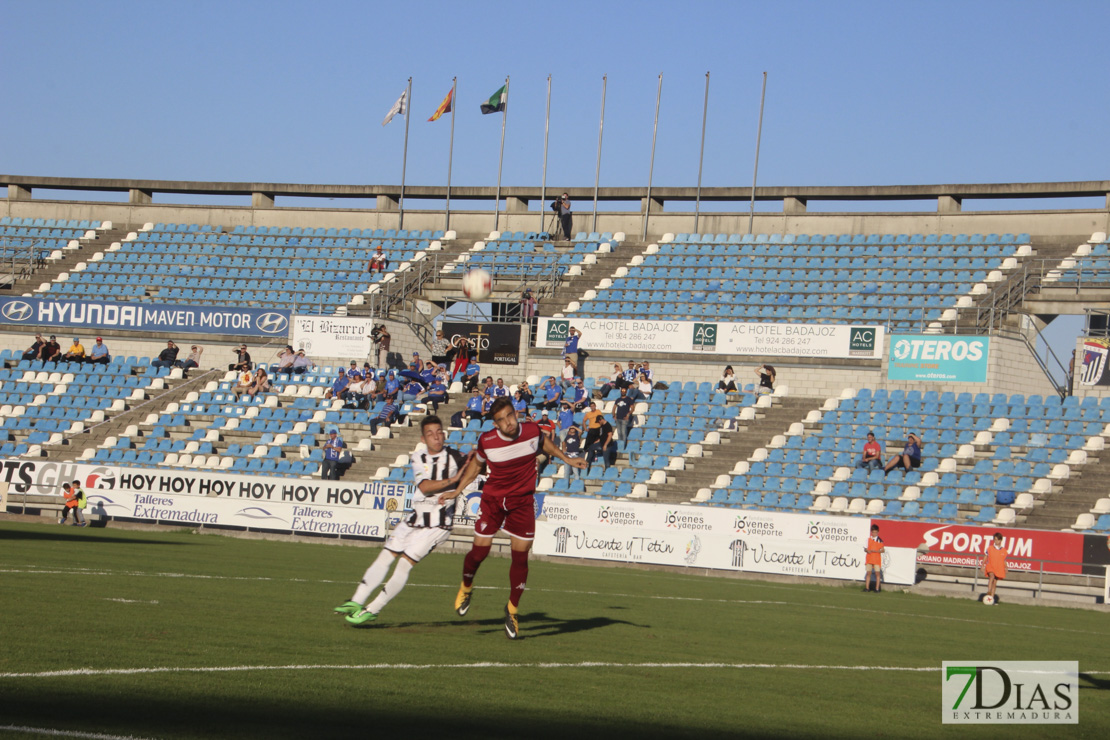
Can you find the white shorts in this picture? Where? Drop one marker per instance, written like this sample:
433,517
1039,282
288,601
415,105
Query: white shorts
415,542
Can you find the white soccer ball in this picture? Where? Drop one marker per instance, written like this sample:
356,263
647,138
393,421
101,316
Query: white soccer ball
988,600
477,284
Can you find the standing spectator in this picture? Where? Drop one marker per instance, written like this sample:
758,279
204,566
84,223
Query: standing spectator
566,419
193,360
591,422
604,446
384,339
99,355
338,387
572,448
622,415
766,375
52,349
439,348
910,456
333,448
461,346
242,359
874,561
994,564
562,207
570,347
35,352
527,306
386,416
378,261
76,352
727,383
167,357
301,363
872,454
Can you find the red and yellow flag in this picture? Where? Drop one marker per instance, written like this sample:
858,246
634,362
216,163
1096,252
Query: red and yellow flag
444,107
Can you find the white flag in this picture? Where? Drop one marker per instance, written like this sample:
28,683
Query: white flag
399,108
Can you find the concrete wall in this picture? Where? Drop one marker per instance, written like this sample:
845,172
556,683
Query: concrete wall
1078,389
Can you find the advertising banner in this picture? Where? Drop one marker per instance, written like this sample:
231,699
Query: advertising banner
938,359
834,341
498,344
704,537
964,545
225,499
160,318
333,336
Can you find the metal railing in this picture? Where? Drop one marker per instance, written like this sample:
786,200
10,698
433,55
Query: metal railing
1040,570
19,258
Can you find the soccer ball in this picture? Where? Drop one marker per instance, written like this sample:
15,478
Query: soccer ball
477,284
988,600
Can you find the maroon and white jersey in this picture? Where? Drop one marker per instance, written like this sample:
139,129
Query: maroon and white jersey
511,462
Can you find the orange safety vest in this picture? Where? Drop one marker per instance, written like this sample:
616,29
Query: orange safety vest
71,498
875,549
996,561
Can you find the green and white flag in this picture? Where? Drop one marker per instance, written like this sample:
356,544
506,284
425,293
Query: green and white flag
496,102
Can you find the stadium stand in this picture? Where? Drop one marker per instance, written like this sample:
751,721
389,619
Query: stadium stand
530,257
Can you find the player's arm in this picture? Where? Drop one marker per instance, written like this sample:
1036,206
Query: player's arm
469,473
551,450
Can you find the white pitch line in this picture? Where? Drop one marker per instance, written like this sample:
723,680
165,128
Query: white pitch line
130,601
63,733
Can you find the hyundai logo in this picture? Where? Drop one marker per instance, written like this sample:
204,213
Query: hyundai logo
17,311
270,323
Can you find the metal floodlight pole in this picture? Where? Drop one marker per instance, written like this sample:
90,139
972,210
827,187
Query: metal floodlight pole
543,181
701,154
501,158
651,167
600,131
405,156
758,136
450,155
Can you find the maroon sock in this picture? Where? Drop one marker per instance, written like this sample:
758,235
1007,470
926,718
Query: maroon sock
518,576
471,562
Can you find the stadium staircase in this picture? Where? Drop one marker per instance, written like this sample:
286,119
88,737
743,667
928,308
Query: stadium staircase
702,472
1077,495
573,287
69,259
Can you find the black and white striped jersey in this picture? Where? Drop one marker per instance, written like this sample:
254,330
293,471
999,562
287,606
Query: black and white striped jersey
427,511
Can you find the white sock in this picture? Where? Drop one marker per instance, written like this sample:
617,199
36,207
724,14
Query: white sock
375,574
393,587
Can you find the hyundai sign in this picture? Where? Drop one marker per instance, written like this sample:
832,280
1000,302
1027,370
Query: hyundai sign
938,358
158,318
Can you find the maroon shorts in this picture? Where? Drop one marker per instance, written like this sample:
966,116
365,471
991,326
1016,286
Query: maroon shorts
515,514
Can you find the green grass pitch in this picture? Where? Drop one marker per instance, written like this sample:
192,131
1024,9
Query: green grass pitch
608,651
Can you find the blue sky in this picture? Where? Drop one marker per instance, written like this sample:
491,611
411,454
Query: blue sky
858,93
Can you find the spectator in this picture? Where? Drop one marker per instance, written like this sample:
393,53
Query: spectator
437,394
566,419
338,387
474,406
874,559
572,448
487,389
352,370
416,365
99,355
358,392
428,374
570,347
581,397
461,345
500,390
766,375
910,456
591,422
872,454
377,392
301,363
52,350
519,404
411,391
547,426
642,392
622,415
261,383
439,348
392,386
561,206
35,352
386,416
242,359
629,377
568,374
473,371
333,448
645,369
73,499
526,393
614,377
380,337
547,431
193,360
167,357
727,383
442,375
487,404
527,305
76,352
552,394
285,359
246,382
378,261
604,446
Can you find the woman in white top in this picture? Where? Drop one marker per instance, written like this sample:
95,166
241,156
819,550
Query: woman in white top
728,381
568,374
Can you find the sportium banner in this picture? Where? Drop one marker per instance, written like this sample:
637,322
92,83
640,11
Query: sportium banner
702,537
835,341
938,358
333,336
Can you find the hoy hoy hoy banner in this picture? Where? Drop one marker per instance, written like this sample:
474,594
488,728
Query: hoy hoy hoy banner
834,341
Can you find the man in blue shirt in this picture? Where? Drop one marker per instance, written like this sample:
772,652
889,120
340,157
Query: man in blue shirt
339,387
910,457
333,448
386,416
472,375
581,396
99,353
474,406
566,419
392,386
572,448
570,347
437,394
500,389
411,392
552,395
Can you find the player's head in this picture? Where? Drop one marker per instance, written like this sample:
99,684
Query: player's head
431,431
504,417
998,538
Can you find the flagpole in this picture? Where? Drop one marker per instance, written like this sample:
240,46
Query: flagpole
405,156
600,131
758,136
543,182
450,155
701,154
651,167
501,158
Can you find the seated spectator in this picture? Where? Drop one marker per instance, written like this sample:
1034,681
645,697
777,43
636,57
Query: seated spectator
193,360
910,456
604,447
352,370
572,448
358,393
567,374
99,355
581,397
35,352
301,363
242,359
386,416
442,375
487,388
246,382
378,261
500,390
377,393
338,387
472,372
766,375
547,429
519,404
392,385
872,454
429,373
727,383
167,357
645,369
411,391
642,391
417,365
474,406
622,415
487,404
552,395
526,393
261,383
628,377
611,382
437,394
333,449
76,352
52,350
285,359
